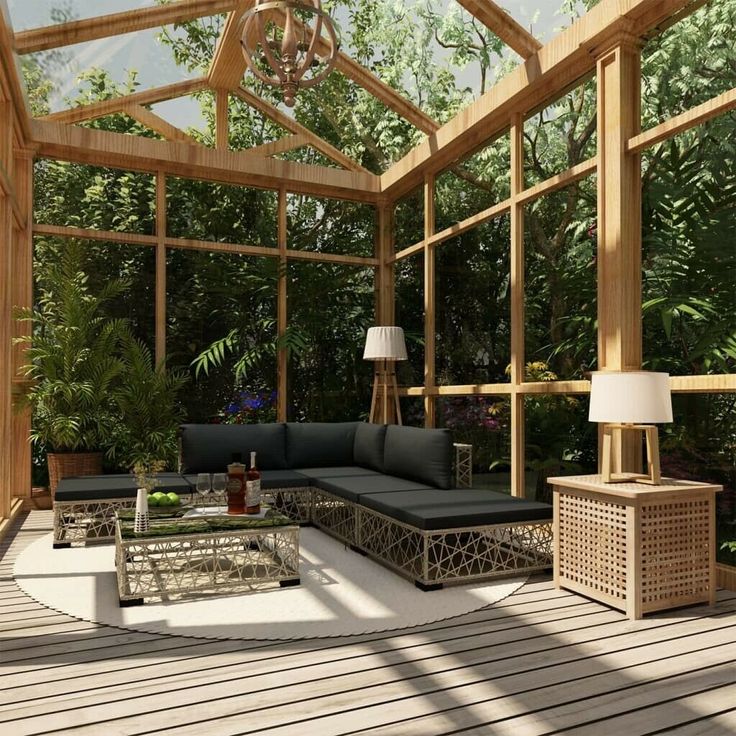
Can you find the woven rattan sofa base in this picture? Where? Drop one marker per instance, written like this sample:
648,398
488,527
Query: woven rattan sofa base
79,522
335,516
296,503
432,558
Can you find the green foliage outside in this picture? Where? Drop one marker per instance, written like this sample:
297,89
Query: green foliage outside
221,308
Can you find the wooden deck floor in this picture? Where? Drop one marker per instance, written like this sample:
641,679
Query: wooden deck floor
540,662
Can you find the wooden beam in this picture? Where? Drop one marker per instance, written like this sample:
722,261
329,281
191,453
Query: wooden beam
12,87
471,389
222,125
273,113
116,24
282,310
559,181
282,145
160,300
518,448
101,148
568,57
22,296
619,226
714,107
157,124
228,68
109,236
228,64
504,26
116,104
430,299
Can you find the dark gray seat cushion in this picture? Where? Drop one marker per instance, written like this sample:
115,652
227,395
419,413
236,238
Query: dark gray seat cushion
354,489
320,444
369,445
209,448
424,455
271,479
93,487
342,471
455,509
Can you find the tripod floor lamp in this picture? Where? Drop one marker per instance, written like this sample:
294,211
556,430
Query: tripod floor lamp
384,346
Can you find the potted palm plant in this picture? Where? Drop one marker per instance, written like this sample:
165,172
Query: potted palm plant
73,365
148,410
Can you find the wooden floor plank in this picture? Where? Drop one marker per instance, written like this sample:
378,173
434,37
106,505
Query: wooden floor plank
541,661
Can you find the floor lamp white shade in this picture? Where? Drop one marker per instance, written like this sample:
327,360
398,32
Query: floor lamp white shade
385,345
630,400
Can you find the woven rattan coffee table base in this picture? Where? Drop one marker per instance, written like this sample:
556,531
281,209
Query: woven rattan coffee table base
180,566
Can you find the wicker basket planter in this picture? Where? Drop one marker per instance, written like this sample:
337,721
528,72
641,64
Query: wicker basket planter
68,464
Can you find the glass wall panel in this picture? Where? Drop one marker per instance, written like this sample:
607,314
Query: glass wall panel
409,219
477,183
560,295
203,210
213,297
561,135
410,316
689,251
330,309
77,195
700,444
331,225
473,306
559,441
484,423
691,62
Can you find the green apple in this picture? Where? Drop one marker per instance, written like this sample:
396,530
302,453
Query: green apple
152,500
174,498
164,500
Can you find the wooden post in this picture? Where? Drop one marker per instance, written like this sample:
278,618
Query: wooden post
282,365
518,452
22,296
619,225
222,138
430,417
160,267
6,316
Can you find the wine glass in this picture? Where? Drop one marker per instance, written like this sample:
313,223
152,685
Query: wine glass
204,483
219,486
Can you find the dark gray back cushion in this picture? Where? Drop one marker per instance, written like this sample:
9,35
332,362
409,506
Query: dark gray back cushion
368,448
320,445
209,448
424,455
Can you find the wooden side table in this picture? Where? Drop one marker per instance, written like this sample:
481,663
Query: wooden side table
634,547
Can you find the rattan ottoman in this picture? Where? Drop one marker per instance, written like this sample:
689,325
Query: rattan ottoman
637,548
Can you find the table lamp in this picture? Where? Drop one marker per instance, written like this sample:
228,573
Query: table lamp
384,345
630,400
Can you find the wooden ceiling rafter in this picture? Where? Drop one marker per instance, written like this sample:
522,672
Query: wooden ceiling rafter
116,24
228,67
157,124
280,118
503,25
94,110
117,150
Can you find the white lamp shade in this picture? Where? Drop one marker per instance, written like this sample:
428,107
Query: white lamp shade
385,343
630,397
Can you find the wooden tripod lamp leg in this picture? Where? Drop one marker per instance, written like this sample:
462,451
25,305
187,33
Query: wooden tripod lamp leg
374,398
395,389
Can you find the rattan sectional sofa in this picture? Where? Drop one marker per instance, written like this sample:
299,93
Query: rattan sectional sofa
385,491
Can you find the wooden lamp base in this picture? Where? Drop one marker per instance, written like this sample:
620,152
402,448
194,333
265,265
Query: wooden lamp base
653,474
385,405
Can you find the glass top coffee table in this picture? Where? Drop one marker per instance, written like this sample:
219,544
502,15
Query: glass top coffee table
188,552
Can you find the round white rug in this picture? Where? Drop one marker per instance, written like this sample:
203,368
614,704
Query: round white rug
341,593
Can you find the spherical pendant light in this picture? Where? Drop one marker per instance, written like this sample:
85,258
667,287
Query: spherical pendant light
290,44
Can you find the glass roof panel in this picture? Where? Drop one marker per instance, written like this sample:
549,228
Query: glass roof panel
544,19
38,13
144,53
